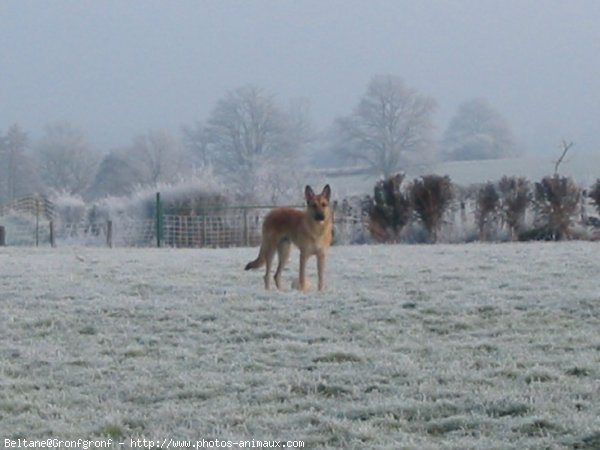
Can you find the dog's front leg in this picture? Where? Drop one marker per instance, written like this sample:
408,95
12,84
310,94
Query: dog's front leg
302,278
321,269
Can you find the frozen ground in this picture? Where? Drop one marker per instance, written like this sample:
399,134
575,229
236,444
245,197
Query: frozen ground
417,347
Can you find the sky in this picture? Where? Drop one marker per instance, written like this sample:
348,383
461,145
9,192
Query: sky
116,69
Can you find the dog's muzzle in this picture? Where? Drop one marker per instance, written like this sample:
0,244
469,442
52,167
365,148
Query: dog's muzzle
319,217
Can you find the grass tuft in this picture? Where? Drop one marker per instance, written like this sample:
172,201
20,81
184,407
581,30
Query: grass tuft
111,431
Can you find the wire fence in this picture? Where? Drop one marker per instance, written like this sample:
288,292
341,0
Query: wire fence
226,227
35,205
35,222
30,217
231,228
213,227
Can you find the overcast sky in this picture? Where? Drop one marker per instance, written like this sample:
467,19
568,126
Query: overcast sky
116,68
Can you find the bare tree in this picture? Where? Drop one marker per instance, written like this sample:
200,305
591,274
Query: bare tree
478,131
117,175
390,130
159,157
252,139
566,146
67,161
17,174
197,140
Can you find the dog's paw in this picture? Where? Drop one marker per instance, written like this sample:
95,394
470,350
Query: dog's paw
296,285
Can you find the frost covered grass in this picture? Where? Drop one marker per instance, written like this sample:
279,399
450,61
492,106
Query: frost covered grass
416,347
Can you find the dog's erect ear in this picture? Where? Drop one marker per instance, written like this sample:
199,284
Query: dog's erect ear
309,193
326,192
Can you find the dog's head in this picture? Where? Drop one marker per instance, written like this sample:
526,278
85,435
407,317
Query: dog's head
318,205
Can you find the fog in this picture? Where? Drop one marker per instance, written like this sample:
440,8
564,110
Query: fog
116,69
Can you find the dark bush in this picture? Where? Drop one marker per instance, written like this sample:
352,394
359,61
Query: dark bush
556,201
514,199
430,197
389,210
594,194
486,209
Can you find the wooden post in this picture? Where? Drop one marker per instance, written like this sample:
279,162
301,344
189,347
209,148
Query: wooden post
187,231
204,230
37,221
52,242
246,233
109,233
2,236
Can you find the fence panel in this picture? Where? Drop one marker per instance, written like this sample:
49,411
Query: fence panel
128,233
25,230
215,227
232,227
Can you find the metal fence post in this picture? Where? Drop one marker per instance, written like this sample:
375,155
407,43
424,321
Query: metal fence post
2,236
204,230
246,233
52,241
37,221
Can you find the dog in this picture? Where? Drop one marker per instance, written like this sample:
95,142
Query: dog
310,230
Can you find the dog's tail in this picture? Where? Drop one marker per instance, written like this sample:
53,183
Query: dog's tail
258,262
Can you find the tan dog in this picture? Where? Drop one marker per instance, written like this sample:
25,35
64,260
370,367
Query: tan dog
310,230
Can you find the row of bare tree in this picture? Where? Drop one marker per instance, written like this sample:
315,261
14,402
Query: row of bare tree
255,143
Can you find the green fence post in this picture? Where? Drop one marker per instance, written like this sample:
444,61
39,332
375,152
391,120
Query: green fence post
204,229
52,236
109,233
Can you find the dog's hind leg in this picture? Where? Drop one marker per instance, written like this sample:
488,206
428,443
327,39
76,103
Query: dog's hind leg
283,253
269,255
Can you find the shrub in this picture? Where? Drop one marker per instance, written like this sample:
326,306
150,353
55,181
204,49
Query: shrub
430,197
68,208
486,209
389,210
556,201
514,199
594,194
351,220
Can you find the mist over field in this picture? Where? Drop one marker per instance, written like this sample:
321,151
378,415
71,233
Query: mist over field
100,99
117,69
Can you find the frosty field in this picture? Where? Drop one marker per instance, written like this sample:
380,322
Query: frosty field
417,347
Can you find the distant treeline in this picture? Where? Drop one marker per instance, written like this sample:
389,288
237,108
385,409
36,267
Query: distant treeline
433,209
